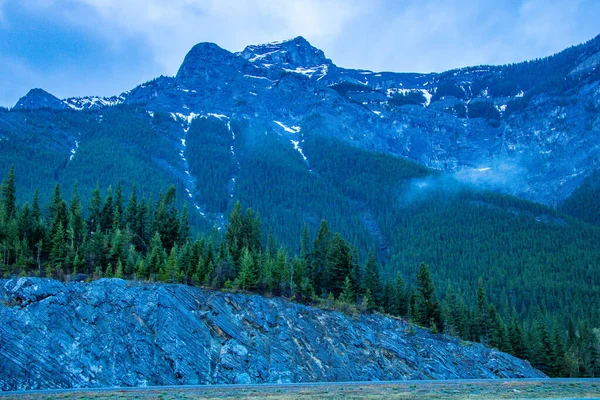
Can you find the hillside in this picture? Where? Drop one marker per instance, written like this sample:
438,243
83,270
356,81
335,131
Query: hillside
117,333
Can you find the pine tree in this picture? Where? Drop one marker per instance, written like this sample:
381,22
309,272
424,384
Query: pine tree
118,203
515,337
109,271
107,214
400,297
95,210
347,295
541,347
58,251
481,315
368,301
170,272
338,264
119,271
247,277
451,312
9,196
233,234
372,278
75,223
320,250
427,310
184,233
558,358
305,251
38,221
498,338
156,256
131,212
57,211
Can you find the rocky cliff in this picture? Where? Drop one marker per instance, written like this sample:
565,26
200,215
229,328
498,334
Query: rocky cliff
118,333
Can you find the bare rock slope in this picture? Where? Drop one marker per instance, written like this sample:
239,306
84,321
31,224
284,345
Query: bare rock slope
118,333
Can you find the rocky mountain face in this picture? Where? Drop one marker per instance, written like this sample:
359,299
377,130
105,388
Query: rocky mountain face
528,129
39,98
116,333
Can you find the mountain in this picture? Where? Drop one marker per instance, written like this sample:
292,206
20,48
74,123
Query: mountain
460,170
39,98
525,129
117,333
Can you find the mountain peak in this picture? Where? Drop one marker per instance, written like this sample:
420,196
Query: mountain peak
206,61
39,98
296,52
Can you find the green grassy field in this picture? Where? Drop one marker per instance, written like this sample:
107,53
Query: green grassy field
527,389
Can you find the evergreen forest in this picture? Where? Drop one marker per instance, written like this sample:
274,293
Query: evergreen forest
533,307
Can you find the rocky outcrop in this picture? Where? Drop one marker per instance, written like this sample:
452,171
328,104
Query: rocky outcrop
121,333
39,98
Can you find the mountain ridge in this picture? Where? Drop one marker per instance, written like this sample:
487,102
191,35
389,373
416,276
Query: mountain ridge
508,120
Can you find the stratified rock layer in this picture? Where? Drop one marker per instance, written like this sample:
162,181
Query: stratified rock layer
118,333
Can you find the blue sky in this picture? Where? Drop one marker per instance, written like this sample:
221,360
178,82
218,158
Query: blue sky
104,47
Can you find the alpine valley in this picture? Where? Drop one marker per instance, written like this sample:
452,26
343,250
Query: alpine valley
484,177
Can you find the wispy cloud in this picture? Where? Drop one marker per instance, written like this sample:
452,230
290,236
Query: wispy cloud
171,28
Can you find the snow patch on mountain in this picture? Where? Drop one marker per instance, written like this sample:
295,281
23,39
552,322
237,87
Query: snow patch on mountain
392,91
231,186
297,147
321,70
219,116
290,129
74,150
92,102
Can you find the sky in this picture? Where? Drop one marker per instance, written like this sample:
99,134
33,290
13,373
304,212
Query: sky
104,47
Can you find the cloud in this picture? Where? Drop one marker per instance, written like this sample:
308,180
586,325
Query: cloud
171,28
108,46
436,35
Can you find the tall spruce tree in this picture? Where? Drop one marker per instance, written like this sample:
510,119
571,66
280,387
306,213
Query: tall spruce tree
427,310
9,196
338,264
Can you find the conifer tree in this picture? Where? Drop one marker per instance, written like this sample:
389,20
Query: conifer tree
400,297
119,271
247,277
233,234
558,359
427,310
184,233
76,224
58,251
156,256
320,249
107,214
95,209
515,337
372,278
347,295
368,301
451,312
131,212
9,196
118,203
481,315
338,264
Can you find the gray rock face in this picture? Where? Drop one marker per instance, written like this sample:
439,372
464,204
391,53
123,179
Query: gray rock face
292,53
117,333
39,98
